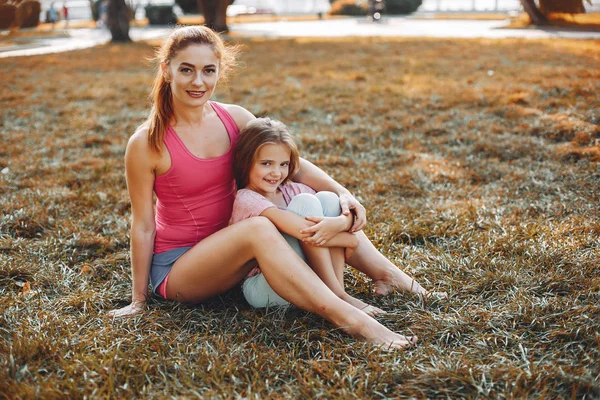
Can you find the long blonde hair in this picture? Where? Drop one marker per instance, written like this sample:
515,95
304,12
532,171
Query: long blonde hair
162,111
252,137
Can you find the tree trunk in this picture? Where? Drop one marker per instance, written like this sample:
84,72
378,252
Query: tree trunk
118,21
208,9
535,15
221,17
562,6
215,14
93,10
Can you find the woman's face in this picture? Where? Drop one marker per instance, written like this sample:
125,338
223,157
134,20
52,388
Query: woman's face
193,74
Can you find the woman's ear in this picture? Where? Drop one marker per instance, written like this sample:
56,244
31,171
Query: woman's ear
165,71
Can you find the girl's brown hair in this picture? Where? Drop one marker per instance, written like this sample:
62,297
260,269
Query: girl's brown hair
253,136
161,112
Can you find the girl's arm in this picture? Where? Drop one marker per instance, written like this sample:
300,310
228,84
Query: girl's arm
291,223
326,228
287,222
316,178
343,239
140,182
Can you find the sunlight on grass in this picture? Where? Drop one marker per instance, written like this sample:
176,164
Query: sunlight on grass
478,161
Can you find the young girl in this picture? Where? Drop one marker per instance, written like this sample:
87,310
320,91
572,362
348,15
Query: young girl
265,158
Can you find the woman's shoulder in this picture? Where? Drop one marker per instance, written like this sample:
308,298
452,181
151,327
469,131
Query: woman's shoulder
240,115
140,134
138,142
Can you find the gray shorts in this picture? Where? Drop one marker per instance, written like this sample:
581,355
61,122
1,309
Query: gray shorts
162,264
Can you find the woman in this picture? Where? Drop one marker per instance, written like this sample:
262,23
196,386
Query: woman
184,154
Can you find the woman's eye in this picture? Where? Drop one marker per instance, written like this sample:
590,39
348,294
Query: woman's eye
186,70
210,71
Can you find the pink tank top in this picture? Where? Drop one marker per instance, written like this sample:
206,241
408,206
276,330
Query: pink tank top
195,196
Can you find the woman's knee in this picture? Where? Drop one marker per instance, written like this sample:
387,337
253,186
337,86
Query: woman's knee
330,203
261,229
306,205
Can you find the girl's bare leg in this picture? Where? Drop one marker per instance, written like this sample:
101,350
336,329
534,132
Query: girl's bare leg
339,262
328,264
217,263
386,276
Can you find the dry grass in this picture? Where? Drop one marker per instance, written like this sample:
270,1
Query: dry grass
477,159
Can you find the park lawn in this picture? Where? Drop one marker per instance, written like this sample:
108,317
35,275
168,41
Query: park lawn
478,161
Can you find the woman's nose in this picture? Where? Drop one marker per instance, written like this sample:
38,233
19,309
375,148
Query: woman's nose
198,80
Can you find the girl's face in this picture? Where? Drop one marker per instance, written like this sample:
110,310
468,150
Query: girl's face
270,168
193,74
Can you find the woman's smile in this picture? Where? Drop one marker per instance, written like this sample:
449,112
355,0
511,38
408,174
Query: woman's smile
196,94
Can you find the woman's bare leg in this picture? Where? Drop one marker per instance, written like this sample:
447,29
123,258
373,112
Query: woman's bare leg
217,263
386,276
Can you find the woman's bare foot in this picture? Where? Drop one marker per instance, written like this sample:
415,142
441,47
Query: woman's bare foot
373,332
361,305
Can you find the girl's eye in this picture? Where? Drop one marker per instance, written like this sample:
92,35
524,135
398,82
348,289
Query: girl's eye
285,164
266,163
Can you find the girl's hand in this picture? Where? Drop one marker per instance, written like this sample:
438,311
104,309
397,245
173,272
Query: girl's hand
349,204
324,229
135,307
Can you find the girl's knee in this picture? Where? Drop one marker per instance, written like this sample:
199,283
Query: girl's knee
306,205
330,203
259,294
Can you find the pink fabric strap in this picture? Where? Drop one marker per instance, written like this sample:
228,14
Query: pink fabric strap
226,118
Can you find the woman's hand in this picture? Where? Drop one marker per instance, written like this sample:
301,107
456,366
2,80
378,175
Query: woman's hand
349,204
324,229
135,307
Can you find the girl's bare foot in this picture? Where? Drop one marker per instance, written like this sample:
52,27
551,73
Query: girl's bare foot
397,280
361,305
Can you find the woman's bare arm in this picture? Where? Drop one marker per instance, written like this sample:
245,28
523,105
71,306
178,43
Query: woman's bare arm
139,167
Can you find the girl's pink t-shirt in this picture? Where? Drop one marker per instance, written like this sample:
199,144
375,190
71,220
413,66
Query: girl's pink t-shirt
195,196
248,203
